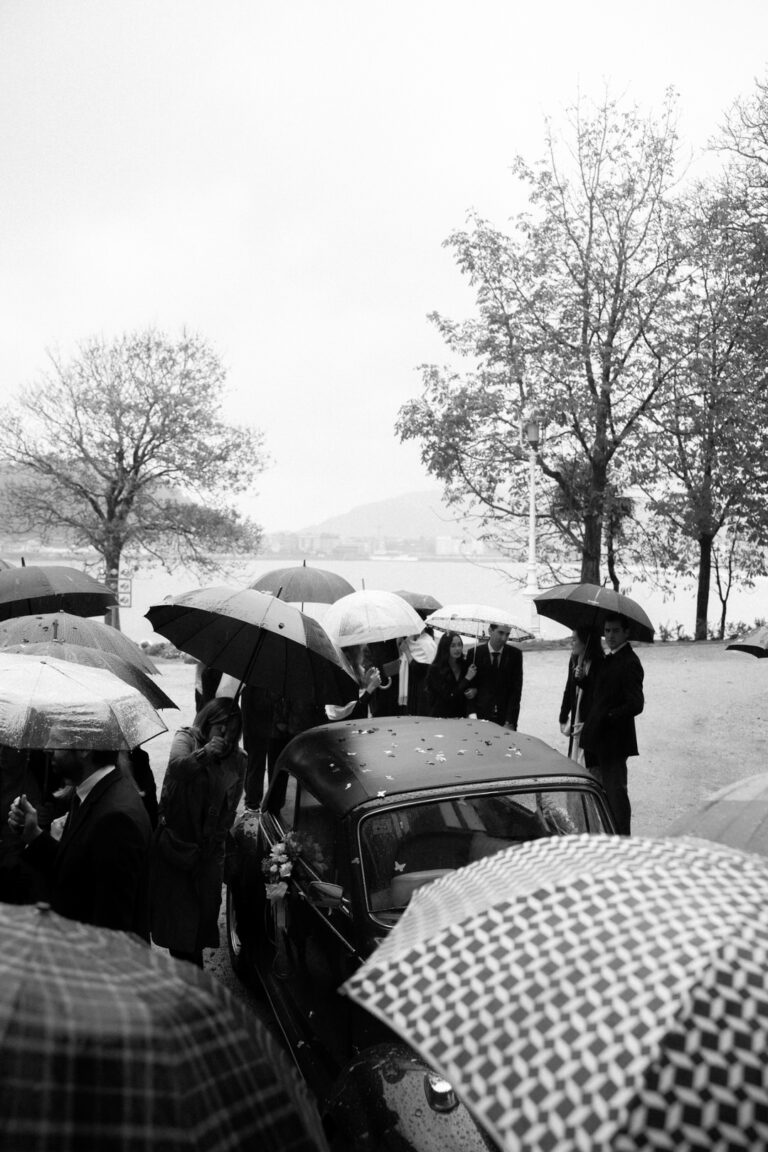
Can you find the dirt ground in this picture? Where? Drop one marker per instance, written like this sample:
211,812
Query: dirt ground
705,722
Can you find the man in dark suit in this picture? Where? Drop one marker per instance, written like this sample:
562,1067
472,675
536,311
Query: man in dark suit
98,871
609,726
499,679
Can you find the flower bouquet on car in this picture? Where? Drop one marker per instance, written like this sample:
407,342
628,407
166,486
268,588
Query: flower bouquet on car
278,866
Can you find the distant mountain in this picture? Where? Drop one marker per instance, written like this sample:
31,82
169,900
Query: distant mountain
411,516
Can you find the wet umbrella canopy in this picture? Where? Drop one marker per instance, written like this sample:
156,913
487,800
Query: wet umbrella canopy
595,993
49,703
736,815
107,1045
257,638
40,628
51,588
370,616
97,658
476,619
754,643
587,606
303,585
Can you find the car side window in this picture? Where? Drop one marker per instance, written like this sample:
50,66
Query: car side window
316,829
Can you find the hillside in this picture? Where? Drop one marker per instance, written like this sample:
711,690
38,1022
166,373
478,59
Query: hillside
414,515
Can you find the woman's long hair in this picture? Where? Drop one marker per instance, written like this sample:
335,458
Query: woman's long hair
217,711
442,660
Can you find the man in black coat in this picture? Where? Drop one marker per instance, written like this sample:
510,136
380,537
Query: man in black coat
609,734
98,872
499,679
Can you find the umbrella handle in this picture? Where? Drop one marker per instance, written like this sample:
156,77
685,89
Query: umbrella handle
386,683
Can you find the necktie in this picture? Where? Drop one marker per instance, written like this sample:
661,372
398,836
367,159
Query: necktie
74,808
494,660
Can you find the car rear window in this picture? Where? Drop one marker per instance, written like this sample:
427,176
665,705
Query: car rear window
410,845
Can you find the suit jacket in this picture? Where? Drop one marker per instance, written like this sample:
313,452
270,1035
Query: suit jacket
98,872
498,691
609,726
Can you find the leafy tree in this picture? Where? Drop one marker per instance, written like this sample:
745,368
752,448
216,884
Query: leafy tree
745,137
123,446
573,310
709,437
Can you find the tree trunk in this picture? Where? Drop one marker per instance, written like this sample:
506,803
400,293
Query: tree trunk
590,556
112,569
702,591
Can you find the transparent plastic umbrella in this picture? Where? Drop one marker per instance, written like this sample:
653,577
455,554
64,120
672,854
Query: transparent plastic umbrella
97,658
476,619
49,703
370,616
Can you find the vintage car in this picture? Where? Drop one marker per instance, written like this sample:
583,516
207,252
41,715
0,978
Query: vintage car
358,817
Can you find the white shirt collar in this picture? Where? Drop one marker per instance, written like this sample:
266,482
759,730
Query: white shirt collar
92,780
613,651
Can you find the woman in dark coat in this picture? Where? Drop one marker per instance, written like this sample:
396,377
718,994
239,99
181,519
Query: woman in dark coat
201,790
586,657
448,682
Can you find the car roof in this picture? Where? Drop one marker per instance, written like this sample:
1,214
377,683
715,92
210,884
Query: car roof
350,762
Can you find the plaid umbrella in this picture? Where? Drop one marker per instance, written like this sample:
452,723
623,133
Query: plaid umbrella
590,992
474,619
303,585
259,639
49,703
46,626
96,658
369,617
754,643
50,588
587,605
109,1046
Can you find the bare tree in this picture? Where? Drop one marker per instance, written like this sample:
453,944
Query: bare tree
123,446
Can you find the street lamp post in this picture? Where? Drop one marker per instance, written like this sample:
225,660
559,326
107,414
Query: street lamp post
530,430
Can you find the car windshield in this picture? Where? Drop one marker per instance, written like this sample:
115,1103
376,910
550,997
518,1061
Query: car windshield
407,846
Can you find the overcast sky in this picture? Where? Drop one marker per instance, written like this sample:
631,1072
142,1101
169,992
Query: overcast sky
279,177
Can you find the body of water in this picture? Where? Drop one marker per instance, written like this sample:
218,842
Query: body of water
495,583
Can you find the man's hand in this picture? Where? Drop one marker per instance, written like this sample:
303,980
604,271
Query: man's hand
22,818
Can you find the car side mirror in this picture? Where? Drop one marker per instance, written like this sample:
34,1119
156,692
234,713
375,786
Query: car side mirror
327,895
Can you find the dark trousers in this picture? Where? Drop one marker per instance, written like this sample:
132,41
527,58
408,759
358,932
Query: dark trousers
612,774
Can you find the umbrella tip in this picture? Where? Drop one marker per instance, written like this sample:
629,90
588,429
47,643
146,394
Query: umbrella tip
42,906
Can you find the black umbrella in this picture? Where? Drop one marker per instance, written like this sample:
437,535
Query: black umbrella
46,626
51,588
303,585
421,601
257,639
587,605
754,643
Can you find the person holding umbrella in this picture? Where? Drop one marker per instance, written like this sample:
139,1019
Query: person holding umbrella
201,789
608,736
583,666
98,872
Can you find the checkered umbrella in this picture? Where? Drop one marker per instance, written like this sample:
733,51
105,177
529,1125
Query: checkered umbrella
591,993
109,1046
